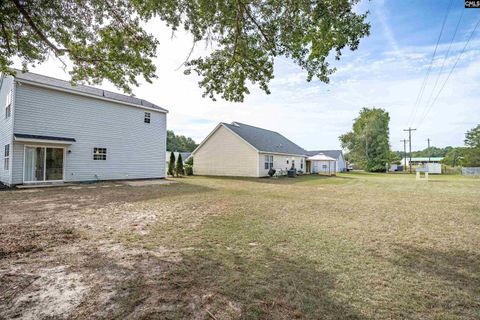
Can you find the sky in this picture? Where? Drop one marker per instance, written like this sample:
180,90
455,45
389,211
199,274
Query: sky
386,71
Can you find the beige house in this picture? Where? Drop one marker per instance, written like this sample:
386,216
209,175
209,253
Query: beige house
239,149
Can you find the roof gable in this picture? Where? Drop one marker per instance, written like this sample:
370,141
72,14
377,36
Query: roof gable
264,140
336,154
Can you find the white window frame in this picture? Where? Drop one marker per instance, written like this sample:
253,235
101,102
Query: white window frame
147,118
301,163
6,157
268,162
44,147
8,104
99,154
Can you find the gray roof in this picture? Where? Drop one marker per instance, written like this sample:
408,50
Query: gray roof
265,140
330,153
62,84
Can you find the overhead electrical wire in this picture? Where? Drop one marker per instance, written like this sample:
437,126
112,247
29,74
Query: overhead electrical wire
451,71
443,65
425,80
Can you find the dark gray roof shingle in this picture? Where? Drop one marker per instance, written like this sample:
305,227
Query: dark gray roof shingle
330,153
265,140
62,84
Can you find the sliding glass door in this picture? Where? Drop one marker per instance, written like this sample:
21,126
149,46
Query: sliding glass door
43,164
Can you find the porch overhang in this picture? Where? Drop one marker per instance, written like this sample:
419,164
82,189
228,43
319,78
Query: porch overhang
20,137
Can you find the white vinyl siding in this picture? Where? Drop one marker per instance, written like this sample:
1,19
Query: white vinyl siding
280,163
135,150
7,92
226,154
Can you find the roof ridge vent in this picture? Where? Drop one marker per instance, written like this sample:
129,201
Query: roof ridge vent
235,124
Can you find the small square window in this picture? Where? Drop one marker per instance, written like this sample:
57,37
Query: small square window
147,117
99,153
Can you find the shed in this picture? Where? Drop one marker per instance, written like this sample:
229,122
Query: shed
322,164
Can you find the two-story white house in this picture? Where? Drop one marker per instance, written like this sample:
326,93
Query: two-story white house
51,131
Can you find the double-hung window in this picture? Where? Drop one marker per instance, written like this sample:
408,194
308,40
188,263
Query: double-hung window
6,158
8,105
147,117
99,153
301,163
268,162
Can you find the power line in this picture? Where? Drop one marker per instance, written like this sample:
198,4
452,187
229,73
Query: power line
443,65
450,73
425,80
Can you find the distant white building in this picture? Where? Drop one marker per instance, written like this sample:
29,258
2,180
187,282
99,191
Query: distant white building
340,165
417,161
321,163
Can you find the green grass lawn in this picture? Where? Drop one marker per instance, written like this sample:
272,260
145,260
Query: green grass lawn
355,246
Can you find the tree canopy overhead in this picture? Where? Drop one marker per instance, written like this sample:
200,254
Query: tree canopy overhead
104,39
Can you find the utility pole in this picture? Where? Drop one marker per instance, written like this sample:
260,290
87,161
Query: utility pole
429,152
410,146
404,153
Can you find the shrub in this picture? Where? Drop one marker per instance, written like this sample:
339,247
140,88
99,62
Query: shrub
179,168
188,170
171,164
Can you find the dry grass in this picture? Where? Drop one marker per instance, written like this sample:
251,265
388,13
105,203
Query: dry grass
358,246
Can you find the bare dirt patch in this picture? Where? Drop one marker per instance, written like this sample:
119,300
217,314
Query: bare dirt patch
52,293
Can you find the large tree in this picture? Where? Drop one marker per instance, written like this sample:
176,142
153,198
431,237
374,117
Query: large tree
471,156
453,156
105,39
368,142
472,137
179,143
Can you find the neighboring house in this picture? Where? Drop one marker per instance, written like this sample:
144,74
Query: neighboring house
341,164
239,149
185,156
51,131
